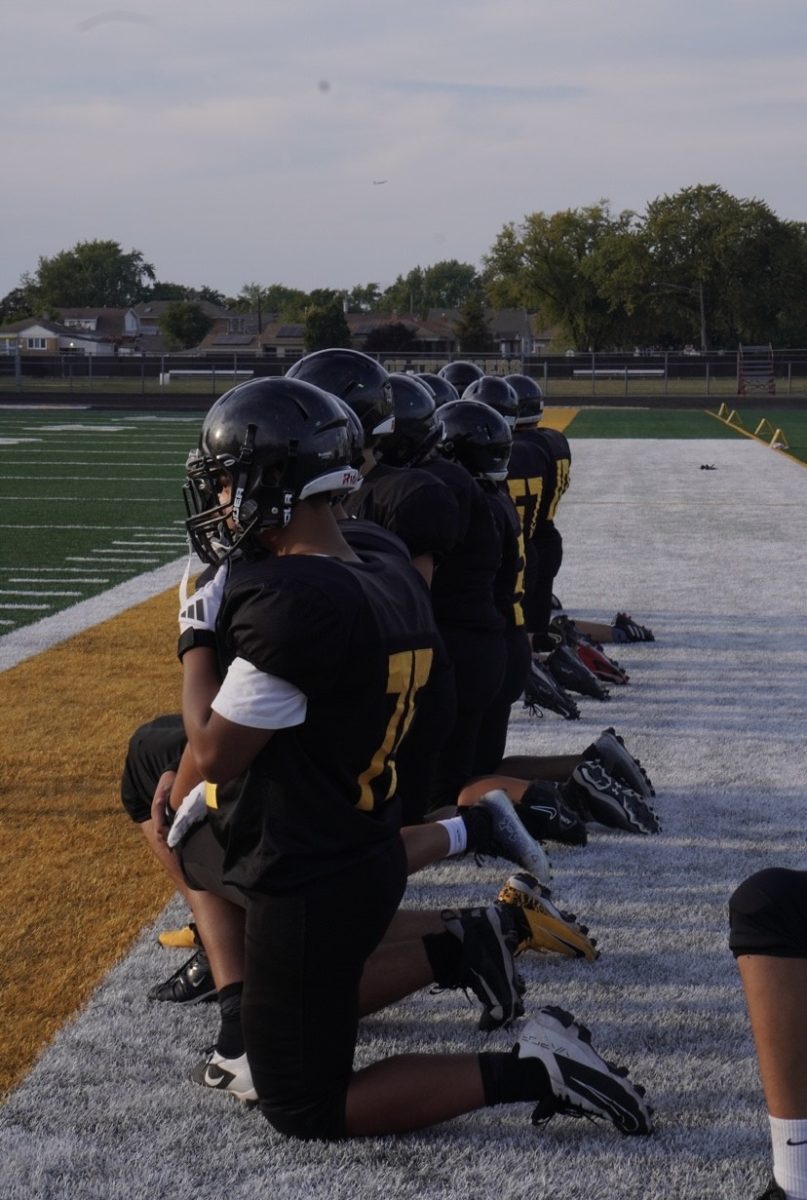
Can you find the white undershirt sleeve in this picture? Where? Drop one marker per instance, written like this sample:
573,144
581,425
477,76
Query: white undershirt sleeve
258,700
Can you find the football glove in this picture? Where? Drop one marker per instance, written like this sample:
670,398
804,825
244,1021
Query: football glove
190,812
200,610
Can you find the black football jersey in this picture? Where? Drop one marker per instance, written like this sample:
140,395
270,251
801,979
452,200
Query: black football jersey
556,446
508,585
462,587
412,504
358,639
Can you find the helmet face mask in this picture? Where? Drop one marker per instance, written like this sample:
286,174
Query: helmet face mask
278,442
476,437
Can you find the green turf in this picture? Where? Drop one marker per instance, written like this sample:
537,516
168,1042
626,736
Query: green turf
689,423
646,423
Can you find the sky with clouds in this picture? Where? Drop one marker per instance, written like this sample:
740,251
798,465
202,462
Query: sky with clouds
317,143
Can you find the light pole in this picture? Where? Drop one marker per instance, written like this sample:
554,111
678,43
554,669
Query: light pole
693,291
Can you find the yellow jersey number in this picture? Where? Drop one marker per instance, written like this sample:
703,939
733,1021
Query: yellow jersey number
407,672
520,490
562,468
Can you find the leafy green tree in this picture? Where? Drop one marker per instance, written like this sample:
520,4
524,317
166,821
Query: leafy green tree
446,284
183,324
473,332
96,274
286,302
724,270
163,290
15,305
394,336
326,327
553,265
363,298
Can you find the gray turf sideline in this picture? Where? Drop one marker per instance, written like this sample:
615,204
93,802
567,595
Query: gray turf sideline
714,562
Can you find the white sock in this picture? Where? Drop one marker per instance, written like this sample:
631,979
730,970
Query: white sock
789,1142
457,835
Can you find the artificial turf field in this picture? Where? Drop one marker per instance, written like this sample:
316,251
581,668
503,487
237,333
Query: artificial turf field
77,887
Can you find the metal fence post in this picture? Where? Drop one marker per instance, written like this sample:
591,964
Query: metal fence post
708,389
666,371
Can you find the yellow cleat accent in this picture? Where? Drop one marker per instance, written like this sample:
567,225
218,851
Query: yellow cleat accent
550,931
179,939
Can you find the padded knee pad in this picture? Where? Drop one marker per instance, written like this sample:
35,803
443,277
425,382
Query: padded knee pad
768,914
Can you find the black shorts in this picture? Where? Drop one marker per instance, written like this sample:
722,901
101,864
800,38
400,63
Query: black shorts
153,748
305,953
768,914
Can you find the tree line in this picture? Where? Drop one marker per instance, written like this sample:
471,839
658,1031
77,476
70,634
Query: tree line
700,266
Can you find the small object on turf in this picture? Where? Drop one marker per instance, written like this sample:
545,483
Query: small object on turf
192,983
583,1084
608,800
708,467
543,927
179,939
489,942
231,1075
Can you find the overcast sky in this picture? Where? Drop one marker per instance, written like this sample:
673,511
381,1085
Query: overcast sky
334,142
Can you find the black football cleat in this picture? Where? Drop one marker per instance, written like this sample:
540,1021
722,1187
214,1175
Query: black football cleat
191,984
542,690
571,674
545,816
606,669
625,629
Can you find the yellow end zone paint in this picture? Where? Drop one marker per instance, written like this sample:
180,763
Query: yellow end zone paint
558,418
78,883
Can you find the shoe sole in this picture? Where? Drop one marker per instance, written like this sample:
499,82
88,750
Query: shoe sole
627,811
621,763
583,1083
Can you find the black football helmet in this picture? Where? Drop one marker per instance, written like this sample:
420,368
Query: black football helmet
278,441
442,389
530,399
497,392
417,429
460,373
356,433
477,437
355,378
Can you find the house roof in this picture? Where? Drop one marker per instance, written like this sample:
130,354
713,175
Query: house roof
62,331
152,310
